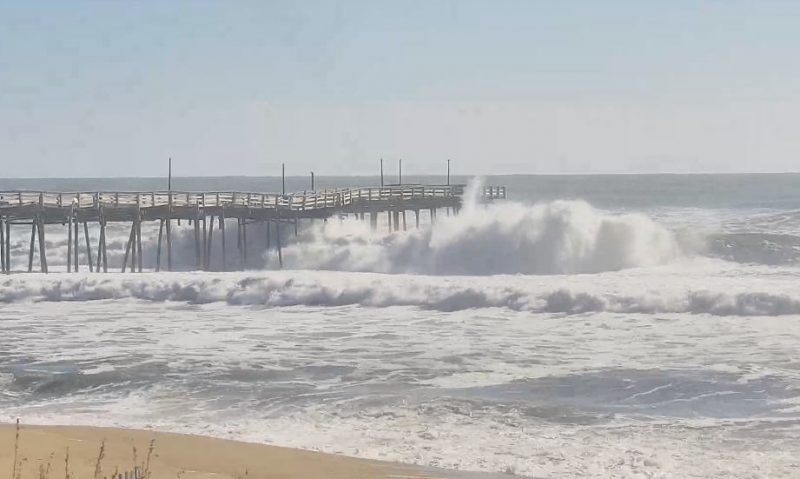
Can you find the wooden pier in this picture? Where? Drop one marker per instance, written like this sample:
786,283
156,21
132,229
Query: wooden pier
204,210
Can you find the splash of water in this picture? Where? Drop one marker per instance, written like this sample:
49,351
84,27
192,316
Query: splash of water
559,237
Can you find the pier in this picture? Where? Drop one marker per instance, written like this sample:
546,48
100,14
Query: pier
206,211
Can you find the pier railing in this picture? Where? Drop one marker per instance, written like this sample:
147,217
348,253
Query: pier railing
298,201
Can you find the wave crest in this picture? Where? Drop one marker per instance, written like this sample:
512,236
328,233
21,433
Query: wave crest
376,291
560,237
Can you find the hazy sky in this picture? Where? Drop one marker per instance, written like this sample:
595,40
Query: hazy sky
113,88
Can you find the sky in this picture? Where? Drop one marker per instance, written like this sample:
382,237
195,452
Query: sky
114,88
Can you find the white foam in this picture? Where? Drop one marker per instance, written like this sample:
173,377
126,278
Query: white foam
508,238
670,289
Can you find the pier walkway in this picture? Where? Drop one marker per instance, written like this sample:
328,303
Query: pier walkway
203,209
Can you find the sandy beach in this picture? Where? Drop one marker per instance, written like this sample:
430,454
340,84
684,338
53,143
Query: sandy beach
44,448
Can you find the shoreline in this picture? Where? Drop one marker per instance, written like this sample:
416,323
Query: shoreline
42,453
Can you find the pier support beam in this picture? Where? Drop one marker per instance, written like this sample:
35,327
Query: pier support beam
42,244
101,245
139,240
130,249
197,242
2,246
8,246
69,241
222,238
88,245
76,243
33,243
208,242
158,246
278,232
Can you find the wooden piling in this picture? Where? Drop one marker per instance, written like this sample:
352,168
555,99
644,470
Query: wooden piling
103,236
205,243
69,241
33,243
42,244
239,242
244,243
208,243
88,245
222,237
139,254
76,240
158,246
2,246
128,248
278,232
101,242
8,245
197,237
169,246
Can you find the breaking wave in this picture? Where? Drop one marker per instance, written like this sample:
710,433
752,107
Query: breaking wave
561,237
378,291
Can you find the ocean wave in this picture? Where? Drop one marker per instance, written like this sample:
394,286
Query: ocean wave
381,291
559,237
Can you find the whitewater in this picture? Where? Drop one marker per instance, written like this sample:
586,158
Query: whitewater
614,327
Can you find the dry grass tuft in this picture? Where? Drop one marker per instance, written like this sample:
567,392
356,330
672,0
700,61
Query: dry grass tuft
98,471
138,471
16,451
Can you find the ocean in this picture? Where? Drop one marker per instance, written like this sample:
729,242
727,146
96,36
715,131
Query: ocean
588,326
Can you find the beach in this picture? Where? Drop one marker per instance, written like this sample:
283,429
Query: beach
44,448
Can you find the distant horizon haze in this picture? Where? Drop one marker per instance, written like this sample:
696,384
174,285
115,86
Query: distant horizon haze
107,89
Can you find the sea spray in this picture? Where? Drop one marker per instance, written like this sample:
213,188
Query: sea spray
559,237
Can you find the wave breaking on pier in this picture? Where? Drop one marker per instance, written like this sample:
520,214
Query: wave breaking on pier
560,237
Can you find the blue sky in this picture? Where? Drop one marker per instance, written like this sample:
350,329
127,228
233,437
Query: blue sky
113,88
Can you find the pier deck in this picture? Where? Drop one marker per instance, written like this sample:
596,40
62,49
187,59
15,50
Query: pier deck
37,209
